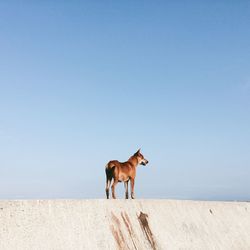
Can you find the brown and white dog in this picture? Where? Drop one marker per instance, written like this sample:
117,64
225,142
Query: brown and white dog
123,172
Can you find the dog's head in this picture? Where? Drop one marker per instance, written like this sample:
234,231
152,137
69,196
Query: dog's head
140,158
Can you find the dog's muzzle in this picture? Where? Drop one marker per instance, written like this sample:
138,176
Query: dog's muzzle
144,163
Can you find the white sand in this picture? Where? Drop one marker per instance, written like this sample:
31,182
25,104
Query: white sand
119,224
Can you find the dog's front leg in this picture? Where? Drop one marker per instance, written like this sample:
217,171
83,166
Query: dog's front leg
132,185
126,189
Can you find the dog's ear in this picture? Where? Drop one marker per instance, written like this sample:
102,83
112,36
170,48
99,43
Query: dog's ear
138,151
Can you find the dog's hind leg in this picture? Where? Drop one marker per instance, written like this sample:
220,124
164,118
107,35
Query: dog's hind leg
108,182
113,188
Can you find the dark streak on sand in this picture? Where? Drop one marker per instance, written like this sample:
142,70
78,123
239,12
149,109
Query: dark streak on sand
119,236
146,229
117,233
128,224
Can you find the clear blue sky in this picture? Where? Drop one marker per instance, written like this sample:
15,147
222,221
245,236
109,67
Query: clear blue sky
84,82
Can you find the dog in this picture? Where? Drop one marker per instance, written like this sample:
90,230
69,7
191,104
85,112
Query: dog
123,172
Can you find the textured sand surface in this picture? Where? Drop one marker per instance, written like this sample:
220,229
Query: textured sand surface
124,224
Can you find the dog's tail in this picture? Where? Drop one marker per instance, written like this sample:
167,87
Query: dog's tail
109,169
110,165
